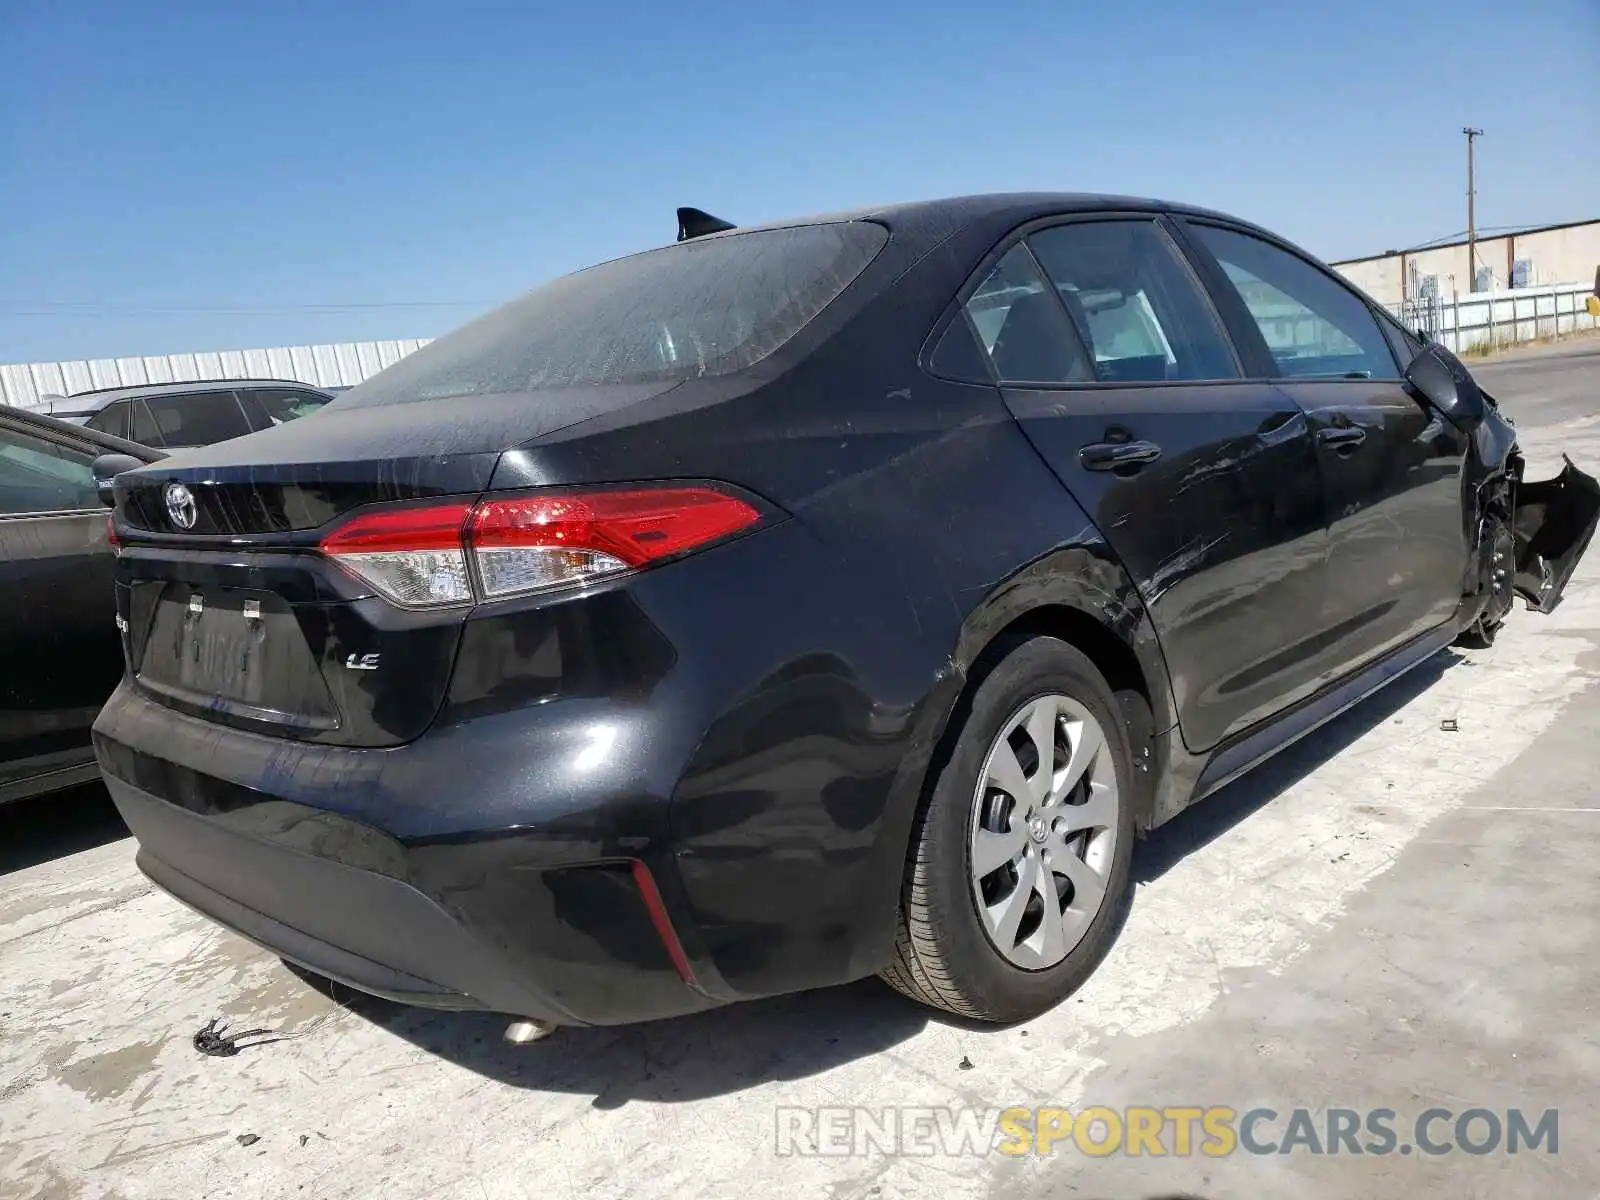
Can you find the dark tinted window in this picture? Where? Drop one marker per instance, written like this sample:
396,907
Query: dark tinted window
958,356
39,476
142,426
112,419
274,406
698,308
197,418
1023,327
1140,312
1314,326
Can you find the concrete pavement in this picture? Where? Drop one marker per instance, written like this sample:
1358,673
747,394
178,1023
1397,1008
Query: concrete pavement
1388,915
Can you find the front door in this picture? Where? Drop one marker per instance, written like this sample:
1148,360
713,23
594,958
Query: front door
1391,466
1111,358
60,655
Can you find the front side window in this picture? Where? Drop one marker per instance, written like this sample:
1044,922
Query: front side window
39,476
197,418
1314,326
1139,310
704,307
1405,344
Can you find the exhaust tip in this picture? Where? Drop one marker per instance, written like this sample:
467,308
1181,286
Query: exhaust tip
521,1033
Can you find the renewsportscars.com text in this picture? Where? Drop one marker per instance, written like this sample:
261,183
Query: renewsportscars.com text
1169,1130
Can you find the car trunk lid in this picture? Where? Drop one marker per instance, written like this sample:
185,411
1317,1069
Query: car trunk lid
233,614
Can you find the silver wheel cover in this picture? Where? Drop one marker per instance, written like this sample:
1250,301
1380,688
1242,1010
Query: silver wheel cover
1044,831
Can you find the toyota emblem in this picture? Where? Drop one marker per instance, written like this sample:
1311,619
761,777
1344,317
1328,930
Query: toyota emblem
180,505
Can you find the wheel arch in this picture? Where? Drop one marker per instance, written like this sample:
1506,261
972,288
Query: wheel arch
1112,654
1080,594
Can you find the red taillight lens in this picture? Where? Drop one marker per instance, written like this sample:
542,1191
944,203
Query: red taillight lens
414,556
531,542
418,556
112,539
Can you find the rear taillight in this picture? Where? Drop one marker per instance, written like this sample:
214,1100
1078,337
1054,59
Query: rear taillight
523,544
414,556
112,539
506,546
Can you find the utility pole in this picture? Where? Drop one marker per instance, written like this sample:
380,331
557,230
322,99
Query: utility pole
1472,229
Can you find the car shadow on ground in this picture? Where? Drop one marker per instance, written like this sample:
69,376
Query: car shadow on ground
687,1058
794,1037
43,828
1216,814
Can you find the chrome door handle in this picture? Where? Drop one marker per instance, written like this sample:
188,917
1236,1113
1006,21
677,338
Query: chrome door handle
1343,438
1118,456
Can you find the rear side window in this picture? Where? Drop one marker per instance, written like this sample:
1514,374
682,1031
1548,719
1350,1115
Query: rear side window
1140,313
142,426
698,308
40,476
1314,326
112,419
1023,327
197,418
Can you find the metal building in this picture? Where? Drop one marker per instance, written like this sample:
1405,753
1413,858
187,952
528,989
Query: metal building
27,385
1546,256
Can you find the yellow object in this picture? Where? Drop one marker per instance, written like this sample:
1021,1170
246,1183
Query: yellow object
1593,305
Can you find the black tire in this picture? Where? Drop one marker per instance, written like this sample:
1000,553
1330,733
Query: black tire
1479,635
943,956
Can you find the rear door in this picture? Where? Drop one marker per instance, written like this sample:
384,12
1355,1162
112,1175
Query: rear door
1111,358
60,655
1390,464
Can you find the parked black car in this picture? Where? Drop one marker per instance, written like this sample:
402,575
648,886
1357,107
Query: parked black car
60,655
182,415
796,603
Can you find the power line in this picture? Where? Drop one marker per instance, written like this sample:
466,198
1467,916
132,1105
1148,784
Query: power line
1460,235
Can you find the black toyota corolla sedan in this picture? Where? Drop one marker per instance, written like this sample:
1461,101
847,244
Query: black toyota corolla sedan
796,603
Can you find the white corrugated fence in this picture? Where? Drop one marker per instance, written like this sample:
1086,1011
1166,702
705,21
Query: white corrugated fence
1477,322
26,385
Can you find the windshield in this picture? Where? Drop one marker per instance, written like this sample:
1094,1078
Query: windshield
693,309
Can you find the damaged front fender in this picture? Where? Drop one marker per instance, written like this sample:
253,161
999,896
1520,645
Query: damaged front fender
1553,523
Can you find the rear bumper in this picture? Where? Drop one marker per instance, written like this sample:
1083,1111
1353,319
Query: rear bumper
488,924
760,757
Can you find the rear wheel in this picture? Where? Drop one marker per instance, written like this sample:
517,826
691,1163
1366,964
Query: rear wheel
1018,869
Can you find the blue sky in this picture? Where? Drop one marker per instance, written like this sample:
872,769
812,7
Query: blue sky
198,175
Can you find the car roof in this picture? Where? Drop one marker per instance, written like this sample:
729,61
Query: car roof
1014,207
94,400
105,442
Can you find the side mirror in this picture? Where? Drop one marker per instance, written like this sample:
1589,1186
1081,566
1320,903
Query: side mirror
106,469
1441,379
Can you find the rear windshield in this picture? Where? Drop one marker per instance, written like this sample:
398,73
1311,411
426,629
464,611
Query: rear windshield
693,309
